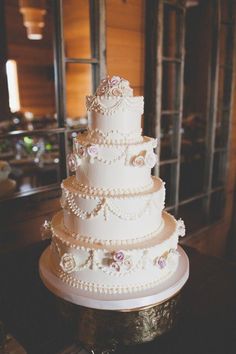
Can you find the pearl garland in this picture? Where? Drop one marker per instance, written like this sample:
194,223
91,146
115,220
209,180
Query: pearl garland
147,155
94,103
84,214
96,191
105,205
98,137
129,216
115,159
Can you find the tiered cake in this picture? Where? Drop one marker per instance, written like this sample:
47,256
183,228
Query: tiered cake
112,235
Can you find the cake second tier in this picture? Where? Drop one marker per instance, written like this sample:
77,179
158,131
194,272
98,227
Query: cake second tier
112,216
113,165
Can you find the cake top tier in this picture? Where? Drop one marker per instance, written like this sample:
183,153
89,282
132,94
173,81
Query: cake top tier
115,86
114,95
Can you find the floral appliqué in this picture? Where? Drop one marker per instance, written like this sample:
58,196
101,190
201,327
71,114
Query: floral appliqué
150,159
46,230
92,151
138,161
120,261
68,263
181,228
73,162
114,86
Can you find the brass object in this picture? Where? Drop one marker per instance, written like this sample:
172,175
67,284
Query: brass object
102,331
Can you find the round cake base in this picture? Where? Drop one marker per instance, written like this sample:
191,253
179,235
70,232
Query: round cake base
115,302
103,322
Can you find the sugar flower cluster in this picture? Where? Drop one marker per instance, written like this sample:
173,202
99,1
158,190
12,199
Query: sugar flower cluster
115,86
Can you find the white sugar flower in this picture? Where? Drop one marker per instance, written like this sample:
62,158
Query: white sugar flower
138,161
68,263
73,162
150,159
114,80
181,228
92,150
46,230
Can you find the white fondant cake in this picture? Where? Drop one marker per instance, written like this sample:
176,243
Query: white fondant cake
112,235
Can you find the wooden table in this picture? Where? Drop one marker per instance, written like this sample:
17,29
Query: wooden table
207,324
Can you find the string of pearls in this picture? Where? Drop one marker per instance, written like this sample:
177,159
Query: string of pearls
126,215
96,191
81,213
111,161
105,206
94,103
114,137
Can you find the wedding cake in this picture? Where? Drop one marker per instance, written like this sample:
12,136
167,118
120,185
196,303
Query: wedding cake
112,235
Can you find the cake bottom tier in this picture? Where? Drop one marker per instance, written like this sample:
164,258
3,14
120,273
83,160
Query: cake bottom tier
115,271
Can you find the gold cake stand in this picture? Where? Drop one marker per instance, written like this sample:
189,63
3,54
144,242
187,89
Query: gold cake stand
101,324
102,331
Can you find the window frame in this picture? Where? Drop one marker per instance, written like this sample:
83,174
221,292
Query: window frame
97,61
154,60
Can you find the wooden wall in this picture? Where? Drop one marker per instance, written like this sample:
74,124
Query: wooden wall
77,45
125,47
125,41
125,57
34,61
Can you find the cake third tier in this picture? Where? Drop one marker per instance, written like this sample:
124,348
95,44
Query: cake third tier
114,216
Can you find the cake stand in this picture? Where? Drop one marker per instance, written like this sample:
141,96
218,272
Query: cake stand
104,321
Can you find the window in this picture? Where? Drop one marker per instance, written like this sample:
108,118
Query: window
37,136
191,105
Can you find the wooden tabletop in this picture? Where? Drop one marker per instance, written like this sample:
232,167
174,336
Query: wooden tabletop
207,324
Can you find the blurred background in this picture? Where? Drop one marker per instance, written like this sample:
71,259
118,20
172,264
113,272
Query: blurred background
179,54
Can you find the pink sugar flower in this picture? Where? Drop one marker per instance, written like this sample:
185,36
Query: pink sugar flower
92,150
118,256
114,80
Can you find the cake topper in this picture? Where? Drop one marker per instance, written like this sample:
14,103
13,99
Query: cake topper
114,86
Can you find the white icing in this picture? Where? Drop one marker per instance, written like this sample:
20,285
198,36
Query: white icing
114,137
88,191
93,265
113,217
115,86
113,105
103,170
112,235
117,242
113,108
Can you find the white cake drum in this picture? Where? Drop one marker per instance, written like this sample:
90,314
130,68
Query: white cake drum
145,298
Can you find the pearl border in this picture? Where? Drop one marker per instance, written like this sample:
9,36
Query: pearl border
123,242
87,192
96,104
104,289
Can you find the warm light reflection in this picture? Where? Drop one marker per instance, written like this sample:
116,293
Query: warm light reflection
13,87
